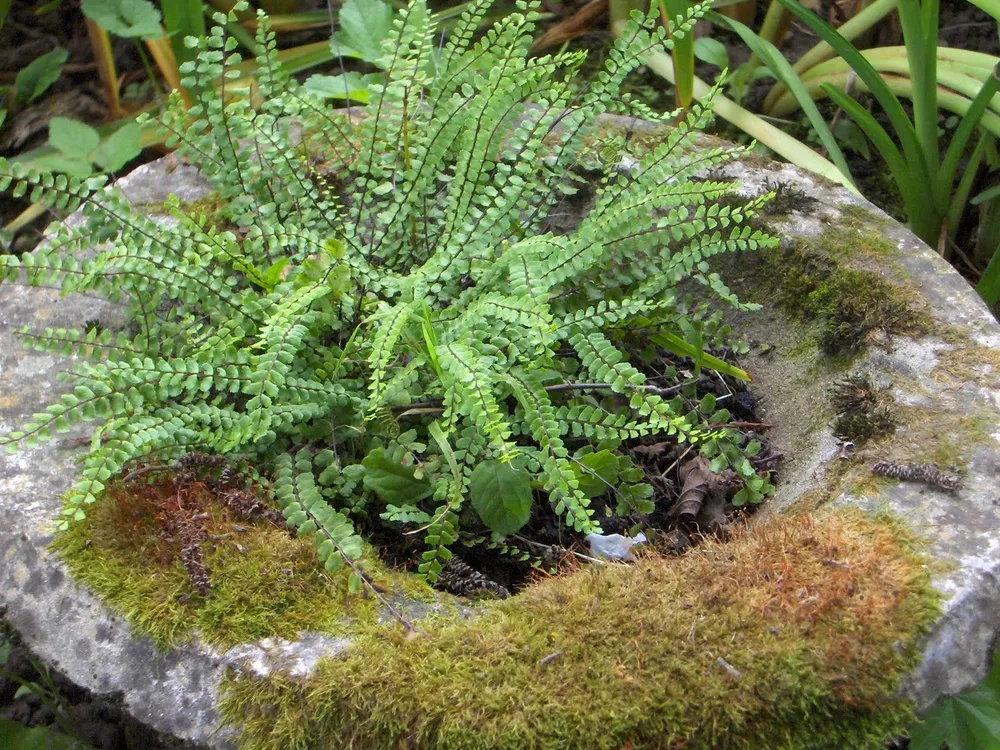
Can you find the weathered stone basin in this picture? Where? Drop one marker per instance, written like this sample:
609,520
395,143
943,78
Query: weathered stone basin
932,353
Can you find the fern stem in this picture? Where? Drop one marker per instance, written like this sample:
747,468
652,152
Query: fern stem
655,390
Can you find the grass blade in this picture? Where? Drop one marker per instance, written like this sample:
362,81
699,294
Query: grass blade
970,120
914,193
778,65
897,116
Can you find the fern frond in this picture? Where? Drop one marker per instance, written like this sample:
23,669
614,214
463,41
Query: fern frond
308,514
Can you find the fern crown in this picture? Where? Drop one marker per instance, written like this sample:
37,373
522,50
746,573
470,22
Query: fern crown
388,316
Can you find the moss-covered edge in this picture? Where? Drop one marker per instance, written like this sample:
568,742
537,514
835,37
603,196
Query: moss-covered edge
795,634
264,582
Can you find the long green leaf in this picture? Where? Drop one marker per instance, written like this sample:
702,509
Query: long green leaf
914,192
777,140
989,285
971,119
680,347
682,52
905,131
919,21
778,65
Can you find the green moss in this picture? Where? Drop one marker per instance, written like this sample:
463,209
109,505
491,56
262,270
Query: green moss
750,644
264,582
823,279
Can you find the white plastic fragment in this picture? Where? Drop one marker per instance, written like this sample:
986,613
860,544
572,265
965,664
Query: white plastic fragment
614,546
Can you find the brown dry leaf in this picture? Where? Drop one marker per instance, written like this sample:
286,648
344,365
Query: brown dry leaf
655,450
581,22
695,476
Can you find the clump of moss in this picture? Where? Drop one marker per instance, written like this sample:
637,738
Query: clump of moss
264,581
856,306
863,411
792,635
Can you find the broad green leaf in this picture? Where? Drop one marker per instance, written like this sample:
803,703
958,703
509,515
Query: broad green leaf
35,77
73,138
968,721
711,51
350,85
392,481
364,25
132,19
183,18
119,148
501,495
597,472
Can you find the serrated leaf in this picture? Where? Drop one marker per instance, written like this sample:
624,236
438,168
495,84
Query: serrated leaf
968,721
119,148
405,514
364,24
501,495
131,19
73,138
597,472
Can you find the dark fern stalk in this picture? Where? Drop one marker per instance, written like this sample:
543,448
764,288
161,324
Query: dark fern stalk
403,258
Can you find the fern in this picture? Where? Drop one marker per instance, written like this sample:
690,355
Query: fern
389,308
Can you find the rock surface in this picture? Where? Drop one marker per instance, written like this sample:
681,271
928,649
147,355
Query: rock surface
956,375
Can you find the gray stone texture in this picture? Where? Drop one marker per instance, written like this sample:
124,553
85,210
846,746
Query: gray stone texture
175,692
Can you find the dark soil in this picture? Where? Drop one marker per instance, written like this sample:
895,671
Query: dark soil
689,501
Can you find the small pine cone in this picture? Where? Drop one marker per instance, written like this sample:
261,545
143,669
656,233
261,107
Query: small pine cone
196,460
245,504
926,473
191,535
230,479
460,579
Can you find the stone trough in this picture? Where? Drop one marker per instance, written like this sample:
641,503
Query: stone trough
942,377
